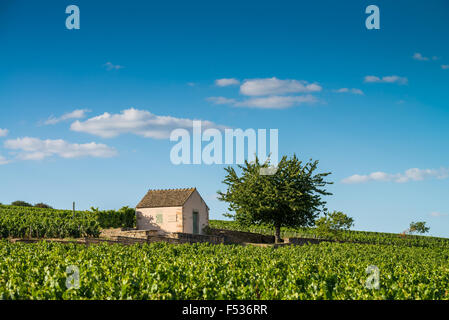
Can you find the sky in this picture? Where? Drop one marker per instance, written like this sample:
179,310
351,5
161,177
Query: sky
86,114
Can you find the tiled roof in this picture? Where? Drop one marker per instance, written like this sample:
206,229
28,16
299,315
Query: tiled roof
165,198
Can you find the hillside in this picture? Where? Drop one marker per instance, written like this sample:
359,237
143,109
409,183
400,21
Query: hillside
384,266
53,223
350,236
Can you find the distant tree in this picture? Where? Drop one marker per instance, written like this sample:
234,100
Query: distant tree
42,205
21,203
418,227
333,223
290,197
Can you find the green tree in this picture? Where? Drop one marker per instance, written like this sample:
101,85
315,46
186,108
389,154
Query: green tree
332,224
418,227
42,205
291,197
21,203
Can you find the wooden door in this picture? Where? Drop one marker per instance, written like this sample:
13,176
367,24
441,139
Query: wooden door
196,223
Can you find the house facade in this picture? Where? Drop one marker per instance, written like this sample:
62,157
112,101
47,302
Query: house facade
173,210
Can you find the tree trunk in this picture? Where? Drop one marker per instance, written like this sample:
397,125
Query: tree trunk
277,234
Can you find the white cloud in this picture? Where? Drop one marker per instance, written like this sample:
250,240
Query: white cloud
76,114
110,66
3,132
356,91
356,178
445,66
438,214
275,102
386,79
138,122
269,93
270,102
420,57
413,174
372,79
227,82
275,86
347,90
37,149
221,100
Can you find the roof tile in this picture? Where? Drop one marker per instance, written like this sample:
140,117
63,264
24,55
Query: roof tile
165,198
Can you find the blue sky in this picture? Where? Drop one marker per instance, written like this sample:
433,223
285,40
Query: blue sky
379,100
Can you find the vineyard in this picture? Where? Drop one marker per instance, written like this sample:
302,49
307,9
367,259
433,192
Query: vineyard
349,236
29,222
414,267
32,222
204,271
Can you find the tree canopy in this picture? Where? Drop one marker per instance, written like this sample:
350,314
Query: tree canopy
42,205
290,197
21,203
332,224
418,227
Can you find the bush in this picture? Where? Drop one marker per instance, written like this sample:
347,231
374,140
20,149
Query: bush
418,227
332,224
207,230
122,218
20,203
42,205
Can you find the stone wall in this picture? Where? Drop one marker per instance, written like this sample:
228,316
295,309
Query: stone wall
217,236
302,241
139,234
172,237
192,238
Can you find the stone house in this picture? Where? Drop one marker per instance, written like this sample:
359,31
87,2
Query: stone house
173,210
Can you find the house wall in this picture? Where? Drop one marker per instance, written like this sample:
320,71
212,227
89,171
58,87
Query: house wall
195,202
172,220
